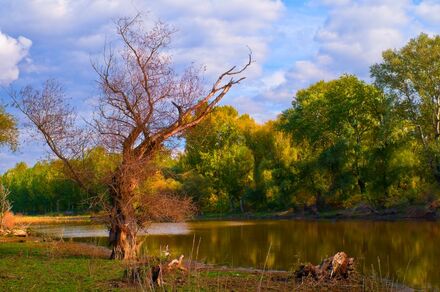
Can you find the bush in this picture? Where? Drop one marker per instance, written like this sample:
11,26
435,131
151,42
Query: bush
7,220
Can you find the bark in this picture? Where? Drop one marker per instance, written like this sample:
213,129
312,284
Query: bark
339,266
123,226
122,238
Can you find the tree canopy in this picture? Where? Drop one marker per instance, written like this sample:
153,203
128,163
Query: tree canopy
411,75
343,142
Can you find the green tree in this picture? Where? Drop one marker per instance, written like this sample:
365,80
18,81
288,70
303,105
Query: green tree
216,151
42,188
231,162
412,76
274,157
337,125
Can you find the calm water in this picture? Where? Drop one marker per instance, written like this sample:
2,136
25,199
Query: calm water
407,252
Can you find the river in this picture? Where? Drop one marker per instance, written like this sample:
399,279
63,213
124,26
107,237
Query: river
405,251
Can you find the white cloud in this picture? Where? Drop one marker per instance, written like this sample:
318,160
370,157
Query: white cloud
305,71
330,2
218,33
429,10
275,79
353,37
59,17
215,34
12,51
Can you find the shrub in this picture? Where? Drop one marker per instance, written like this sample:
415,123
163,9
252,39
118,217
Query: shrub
7,220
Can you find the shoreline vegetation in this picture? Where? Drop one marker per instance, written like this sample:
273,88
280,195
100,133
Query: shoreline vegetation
362,211
44,219
52,259
34,263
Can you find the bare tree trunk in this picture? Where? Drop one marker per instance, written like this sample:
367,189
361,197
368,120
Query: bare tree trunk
122,237
123,226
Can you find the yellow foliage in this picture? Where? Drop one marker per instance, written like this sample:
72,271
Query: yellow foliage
352,201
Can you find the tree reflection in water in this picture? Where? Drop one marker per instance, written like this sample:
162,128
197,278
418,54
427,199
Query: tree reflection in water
407,250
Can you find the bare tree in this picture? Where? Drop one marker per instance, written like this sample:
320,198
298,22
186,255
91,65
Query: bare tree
143,103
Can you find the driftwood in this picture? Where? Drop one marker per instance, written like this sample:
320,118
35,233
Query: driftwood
158,270
338,266
177,264
140,272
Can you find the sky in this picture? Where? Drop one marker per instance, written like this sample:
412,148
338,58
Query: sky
294,43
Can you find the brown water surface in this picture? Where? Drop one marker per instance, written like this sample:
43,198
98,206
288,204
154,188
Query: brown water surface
405,251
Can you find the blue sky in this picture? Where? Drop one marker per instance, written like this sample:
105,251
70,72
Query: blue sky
295,43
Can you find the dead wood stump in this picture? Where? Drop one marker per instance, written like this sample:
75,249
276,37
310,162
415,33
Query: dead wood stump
338,266
150,273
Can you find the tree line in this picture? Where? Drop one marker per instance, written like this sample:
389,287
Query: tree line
341,143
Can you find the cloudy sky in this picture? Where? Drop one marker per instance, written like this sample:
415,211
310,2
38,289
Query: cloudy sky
294,43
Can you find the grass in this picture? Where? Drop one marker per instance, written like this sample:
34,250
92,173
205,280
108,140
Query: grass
33,265
38,219
55,266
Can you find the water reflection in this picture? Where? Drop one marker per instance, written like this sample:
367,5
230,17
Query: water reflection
407,251
86,230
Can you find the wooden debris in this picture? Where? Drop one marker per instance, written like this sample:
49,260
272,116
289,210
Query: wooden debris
152,270
177,264
338,266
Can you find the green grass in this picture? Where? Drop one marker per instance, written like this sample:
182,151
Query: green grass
69,266
29,266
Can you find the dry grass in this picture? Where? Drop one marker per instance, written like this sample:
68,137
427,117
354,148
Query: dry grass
20,219
212,278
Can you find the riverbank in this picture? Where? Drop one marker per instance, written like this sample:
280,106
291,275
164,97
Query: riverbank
405,248
45,219
36,265
362,211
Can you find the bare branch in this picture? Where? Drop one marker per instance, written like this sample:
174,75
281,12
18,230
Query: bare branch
143,103
47,110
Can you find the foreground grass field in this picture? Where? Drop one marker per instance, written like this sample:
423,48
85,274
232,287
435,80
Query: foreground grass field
36,266
30,264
